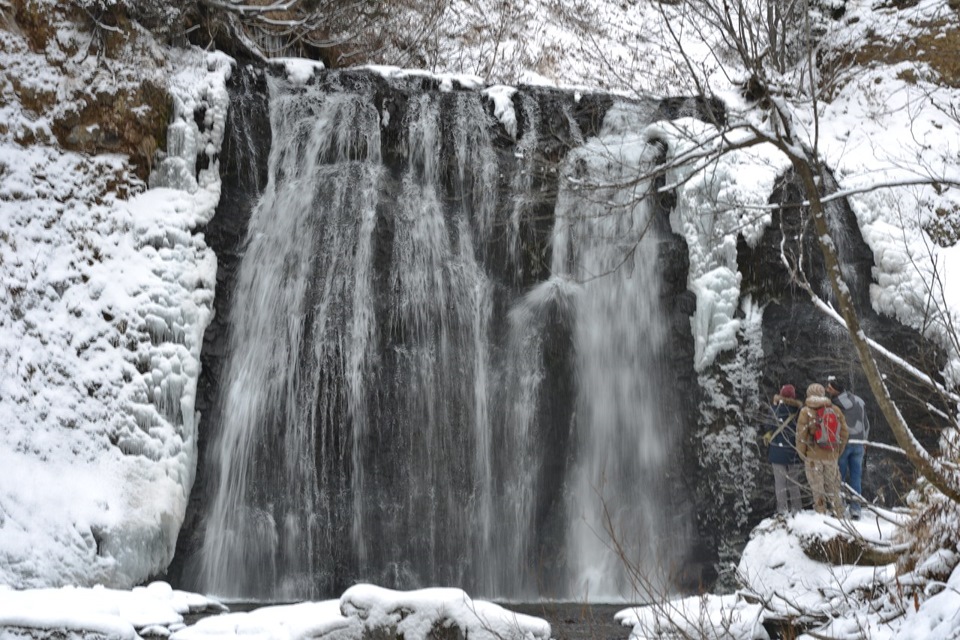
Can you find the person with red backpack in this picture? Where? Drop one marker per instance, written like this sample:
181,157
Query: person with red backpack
821,436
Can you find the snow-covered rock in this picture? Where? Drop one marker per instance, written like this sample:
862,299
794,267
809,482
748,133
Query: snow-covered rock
415,614
98,612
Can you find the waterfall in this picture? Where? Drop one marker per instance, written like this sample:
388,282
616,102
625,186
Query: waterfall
606,242
396,406
287,362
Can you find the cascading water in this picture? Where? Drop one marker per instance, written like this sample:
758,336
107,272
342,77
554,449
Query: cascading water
393,407
606,240
287,343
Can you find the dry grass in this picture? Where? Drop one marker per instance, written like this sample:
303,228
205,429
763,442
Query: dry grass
934,529
945,229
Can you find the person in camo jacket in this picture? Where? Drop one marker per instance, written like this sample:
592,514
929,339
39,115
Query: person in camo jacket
820,463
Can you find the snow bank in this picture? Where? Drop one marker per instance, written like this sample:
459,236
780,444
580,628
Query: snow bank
891,126
103,308
775,568
781,583
107,612
290,622
363,611
938,616
708,617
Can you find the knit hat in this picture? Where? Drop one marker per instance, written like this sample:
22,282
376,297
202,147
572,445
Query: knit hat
836,382
788,391
816,389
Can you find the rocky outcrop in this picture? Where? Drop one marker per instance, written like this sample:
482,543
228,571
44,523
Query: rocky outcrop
108,105
108,291
796,343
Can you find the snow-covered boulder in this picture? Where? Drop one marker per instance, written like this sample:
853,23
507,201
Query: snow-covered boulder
436,614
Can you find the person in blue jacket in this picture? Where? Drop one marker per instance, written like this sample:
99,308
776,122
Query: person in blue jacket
780,434
851,460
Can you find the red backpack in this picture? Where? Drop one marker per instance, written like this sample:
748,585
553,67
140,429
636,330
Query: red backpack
826,428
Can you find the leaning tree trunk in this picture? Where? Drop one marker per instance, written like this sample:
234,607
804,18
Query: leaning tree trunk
921,459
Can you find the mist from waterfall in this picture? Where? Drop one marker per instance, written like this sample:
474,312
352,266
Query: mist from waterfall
394,408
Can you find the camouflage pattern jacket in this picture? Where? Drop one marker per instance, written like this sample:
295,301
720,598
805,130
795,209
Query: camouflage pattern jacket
807,425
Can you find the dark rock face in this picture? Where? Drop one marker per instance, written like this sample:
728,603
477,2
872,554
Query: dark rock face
679,304
798,344
801,345
243,171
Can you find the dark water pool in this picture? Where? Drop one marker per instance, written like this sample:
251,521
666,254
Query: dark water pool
577,621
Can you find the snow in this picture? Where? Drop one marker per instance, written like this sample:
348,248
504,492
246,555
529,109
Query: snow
294,621
104,305
502,98
362,611
776,569
912,145
446,80
106,296
299,70
938,616
709,617
781,582
109,612
718,198
415,613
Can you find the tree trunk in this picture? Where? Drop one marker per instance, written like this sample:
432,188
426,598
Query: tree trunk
918,456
